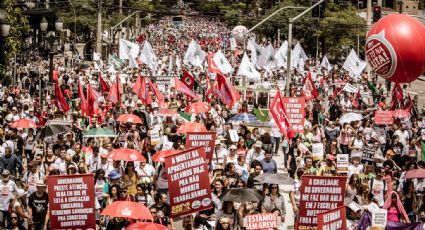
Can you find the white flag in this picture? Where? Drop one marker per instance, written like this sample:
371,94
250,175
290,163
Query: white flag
178,64
354,64
128,49
256,51
96,66
233,43
132,63
267,60
350,88
194,54
247,69
170,66
281,54
325,64
148,57
222,62
96,56
298,57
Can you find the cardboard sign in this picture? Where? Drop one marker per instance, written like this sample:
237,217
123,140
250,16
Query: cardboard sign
204,139
384,117
71,201
187,174
295,110
368,154
317,150
262,221
342,163
334,219
234,137
319,194
155,138
379,219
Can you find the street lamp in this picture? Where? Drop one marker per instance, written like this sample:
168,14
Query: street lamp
4,25
59,25
44,24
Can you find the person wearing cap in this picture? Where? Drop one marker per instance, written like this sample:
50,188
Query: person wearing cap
114,178
31,176
7,189
255,153
329,168
72,169
38,206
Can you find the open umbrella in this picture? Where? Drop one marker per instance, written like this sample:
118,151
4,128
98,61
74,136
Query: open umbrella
159,156
191,127
125,154
164,112
244,117
258,124
23,124
52,130
131,118
242,195
147,226
197,107
58,122
274,178
350,117
401,113
415,173
127,209
99,132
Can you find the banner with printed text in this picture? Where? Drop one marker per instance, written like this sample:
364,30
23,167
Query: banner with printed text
262,221
204,139
295,110
187,174
384,117
334,219
319,194
71,202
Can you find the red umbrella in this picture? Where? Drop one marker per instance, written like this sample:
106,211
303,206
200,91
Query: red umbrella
131,118
164,112
415,173
146,225
159,156
197,107
127,209
401,113
191,127
23,124
124,154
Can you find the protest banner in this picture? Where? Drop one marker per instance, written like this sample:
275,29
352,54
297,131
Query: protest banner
379,219
204,139
318,195
71,202
384,117
334,219
295,111
317,150
368,154
262,221
342,162
187,174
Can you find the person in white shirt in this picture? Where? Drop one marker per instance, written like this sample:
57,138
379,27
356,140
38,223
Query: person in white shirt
255,153
93,159
7,189
355,167
31,177
402,134
219,153
145,171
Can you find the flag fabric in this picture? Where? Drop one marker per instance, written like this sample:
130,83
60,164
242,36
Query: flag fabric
156,92
83,101
309,90
397,96
262,114
136,87
278,112
92,96
143,93
281,55
181,87
60,99
132,63
104,87
325,64
372,87
148,57
353,64
266,59
194,54
128,49
188,79
247,69
256,50
55,75
114,94
212,67
178,64
298,57
356,99
222,63
96,56
227,92
233,43
350,88
115,62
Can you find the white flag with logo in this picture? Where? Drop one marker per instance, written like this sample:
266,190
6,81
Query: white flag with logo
354,64
267,60
256,51
350,88
281,55
298,57
96,56
233,43
132,63
247,69
222,63
128,49
325,64
148,57
194,54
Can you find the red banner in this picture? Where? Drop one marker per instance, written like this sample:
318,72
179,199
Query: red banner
204,139
384,117
278,111
71,202
334,219
187,174
295,111
262,221
318,195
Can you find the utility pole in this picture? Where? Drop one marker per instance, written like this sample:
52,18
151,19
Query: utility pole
99,27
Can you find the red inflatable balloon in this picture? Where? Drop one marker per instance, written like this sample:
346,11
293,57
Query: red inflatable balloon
395,48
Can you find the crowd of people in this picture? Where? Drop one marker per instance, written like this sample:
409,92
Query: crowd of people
28,158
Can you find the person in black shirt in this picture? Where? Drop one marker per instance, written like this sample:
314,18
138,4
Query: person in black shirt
163,209
38,206
117,224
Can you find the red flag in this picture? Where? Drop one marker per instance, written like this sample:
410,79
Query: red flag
188,79
83,101
212,67
397,96
92,96
60,99
355,101
156,92
227,92
113,95
278,111
55,75
136,87
181,87
409,105
104,87
309,90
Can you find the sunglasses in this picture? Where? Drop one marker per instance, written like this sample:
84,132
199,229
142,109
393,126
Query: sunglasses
224,222
13,217
123,191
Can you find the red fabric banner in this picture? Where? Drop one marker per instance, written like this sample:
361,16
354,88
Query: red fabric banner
60,99
204,139
334,219
83,101
278,111
309,90
181,87
384,117
188,79
104,87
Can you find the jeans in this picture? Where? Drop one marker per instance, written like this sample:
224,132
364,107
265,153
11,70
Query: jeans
276,143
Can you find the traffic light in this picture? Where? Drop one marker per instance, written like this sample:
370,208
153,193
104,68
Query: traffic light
376,13
318,11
